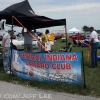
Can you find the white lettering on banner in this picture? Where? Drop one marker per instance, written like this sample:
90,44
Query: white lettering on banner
25,95
58,77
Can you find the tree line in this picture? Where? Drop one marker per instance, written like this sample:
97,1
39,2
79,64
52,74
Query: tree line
85,28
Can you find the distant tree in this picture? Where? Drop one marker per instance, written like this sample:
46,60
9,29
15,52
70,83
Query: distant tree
85,28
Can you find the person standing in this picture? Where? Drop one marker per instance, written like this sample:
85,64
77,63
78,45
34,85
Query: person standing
7,51
45,38
40,40
28,39
94,46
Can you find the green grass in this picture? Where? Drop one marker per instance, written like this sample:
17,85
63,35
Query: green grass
92,77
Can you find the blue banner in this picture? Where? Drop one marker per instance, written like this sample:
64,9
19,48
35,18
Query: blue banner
64,67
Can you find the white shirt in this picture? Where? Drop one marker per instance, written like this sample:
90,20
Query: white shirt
40,38
7,41
94,35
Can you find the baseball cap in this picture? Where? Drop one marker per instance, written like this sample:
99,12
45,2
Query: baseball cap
11,31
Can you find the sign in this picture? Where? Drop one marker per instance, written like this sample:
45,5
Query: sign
64,67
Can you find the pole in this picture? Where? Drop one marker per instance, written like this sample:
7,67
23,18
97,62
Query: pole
84,82
66,38
11,45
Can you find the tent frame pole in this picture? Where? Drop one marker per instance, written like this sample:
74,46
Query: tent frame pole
11,46
84,79
66,39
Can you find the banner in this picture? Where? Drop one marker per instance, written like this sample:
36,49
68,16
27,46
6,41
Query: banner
64,67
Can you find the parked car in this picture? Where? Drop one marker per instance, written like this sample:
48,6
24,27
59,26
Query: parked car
78,36
19,43
99,36
87,35
58,36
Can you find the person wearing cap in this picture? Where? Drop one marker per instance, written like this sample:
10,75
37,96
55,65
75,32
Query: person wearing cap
45,38
28,39
94,46
7,50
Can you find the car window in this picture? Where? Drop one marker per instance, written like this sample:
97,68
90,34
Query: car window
20,38
1,38
13,37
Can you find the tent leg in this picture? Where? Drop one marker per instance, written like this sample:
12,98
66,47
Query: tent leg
11,46
66,39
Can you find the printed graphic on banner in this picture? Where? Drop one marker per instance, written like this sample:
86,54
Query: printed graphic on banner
64,67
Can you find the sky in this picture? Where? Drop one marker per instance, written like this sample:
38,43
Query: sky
76,12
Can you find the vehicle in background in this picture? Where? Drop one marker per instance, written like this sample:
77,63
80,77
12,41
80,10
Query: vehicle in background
1,40
87,35
19,42
78,36
58,36
99,36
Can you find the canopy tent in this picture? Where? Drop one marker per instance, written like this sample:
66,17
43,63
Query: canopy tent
25,14
73,30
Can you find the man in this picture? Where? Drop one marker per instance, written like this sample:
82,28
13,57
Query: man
45,38
40,40
7,51
28,39
94,46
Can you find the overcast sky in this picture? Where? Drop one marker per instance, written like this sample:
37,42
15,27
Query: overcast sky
77,12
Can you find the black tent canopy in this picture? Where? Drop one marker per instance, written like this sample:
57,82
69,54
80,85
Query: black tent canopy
25,14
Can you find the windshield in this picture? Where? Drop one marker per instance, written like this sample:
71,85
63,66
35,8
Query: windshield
20,38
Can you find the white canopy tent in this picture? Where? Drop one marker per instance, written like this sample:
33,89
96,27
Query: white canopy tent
73,30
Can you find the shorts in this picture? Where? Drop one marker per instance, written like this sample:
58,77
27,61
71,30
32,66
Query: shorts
28,47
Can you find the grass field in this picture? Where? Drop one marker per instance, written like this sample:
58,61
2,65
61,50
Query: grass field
92,77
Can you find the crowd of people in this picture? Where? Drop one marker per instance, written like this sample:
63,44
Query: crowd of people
42,40
28,47
93,41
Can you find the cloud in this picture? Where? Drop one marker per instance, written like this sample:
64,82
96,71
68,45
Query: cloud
6,3
46,1
76,12
56,8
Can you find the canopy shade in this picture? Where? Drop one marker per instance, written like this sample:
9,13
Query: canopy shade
74,30
25,14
